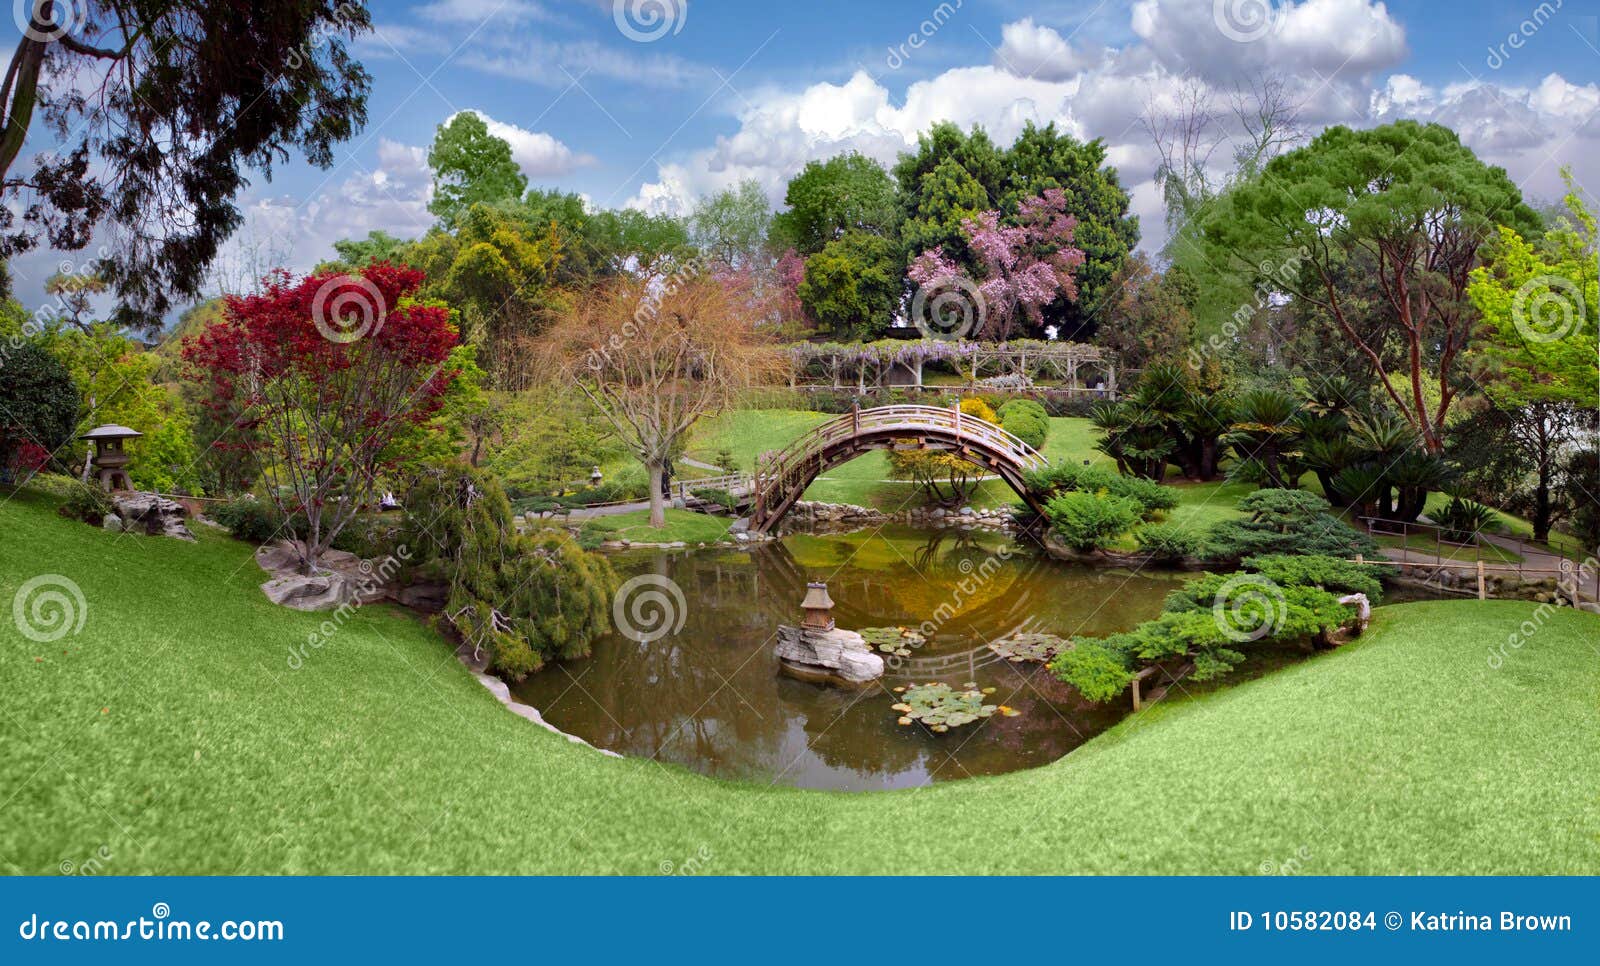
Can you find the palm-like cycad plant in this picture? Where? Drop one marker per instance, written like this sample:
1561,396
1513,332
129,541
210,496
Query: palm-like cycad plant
1265,437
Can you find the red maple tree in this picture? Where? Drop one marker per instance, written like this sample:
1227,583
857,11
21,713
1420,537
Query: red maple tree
328,369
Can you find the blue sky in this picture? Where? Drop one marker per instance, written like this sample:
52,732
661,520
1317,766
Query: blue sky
594,103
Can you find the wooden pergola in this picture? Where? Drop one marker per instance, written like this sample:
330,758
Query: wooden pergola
1073,366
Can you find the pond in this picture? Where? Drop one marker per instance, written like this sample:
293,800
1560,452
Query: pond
711,696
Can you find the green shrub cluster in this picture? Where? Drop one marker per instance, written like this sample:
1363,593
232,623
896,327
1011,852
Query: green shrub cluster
87,503
1167,542
1214,618
1286,522
1026,420
1058,478
250,519
717,496
1091,520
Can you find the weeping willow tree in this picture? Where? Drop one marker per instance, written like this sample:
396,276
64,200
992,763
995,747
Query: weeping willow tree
522,598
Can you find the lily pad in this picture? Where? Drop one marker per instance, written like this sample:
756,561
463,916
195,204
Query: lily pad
941,707
899,641
1039,648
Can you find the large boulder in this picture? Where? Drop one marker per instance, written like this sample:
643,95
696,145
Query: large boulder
837,656
151,514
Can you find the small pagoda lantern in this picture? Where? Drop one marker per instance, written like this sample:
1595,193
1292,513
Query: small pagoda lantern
818,608
595,477
110,460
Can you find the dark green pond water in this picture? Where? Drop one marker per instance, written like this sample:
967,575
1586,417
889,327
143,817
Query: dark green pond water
711,697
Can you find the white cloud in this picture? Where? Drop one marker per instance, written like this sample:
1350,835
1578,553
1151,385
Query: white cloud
559,64
485,13
1028,49
538,154
1229,39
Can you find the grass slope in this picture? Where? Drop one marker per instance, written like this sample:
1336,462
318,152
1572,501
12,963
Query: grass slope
172,732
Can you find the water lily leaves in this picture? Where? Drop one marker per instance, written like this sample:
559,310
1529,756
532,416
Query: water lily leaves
941,707
899,641
1039,648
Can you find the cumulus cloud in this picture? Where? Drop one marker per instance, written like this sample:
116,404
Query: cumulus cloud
1028,49
1228,39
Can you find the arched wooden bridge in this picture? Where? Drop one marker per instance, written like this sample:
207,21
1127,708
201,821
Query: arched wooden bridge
783,475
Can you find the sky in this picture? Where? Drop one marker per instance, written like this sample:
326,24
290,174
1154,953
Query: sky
655,103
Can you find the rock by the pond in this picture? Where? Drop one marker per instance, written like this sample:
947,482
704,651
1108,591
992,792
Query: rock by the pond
151,514
837,656
111,522
328,591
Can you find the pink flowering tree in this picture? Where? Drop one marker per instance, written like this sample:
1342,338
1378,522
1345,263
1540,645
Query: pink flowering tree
1025,266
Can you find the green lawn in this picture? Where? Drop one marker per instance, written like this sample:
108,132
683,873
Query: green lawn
682,525
172,732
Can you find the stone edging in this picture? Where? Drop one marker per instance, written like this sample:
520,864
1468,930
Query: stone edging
502,693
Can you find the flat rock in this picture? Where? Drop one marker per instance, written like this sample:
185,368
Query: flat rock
298,592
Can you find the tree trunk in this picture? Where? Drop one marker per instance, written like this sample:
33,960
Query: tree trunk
657,472
1543,514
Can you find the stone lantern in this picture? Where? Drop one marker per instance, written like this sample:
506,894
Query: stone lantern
110,459
595,477
818,607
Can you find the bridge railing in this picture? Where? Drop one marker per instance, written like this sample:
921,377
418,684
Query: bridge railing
777,468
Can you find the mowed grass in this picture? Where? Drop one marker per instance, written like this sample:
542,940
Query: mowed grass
172,732
683,525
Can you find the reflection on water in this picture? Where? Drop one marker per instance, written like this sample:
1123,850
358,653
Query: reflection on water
710,697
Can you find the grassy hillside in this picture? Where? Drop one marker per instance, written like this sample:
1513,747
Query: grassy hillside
173,733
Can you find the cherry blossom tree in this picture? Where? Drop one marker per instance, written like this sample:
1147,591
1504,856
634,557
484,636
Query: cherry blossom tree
329,371
1026,266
